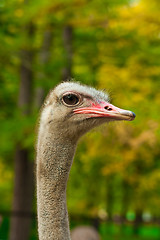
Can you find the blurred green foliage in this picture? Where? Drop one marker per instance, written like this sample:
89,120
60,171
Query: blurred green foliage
116,46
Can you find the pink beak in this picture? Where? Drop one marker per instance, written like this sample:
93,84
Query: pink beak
107,110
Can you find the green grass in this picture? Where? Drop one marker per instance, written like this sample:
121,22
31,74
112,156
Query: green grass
127,232
108,231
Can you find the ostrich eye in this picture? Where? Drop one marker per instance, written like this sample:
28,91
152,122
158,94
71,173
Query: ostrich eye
70,99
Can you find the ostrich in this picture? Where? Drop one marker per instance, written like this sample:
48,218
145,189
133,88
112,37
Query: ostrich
70,110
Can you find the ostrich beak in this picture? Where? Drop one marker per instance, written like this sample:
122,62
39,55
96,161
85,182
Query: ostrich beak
107,110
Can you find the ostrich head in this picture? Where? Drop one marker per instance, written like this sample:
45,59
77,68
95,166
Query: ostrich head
73,109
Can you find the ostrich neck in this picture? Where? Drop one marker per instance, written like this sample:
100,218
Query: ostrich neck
54,160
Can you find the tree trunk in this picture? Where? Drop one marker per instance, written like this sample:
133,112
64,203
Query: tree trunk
138,221
139,208
26,79
44,57
126,190
110,202
23,195
24,170
110,197
67,39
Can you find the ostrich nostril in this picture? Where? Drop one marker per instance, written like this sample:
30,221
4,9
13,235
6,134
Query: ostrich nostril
108,108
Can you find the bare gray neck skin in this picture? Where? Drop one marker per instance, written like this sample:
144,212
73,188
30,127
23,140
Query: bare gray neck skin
54,160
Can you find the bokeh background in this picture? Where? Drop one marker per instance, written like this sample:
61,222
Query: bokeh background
114,45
